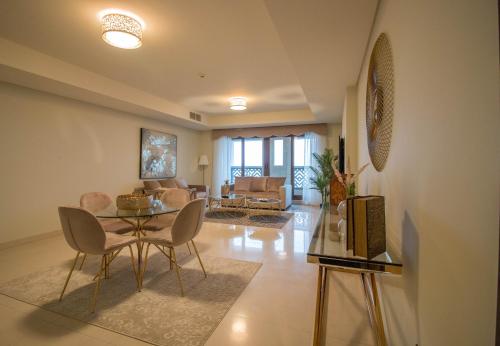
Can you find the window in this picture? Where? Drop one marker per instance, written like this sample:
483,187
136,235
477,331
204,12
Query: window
278,152
236,152
253,152
298,151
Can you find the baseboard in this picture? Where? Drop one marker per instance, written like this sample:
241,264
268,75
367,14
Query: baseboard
29,239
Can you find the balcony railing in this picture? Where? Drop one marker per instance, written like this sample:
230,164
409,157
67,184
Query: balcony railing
250,171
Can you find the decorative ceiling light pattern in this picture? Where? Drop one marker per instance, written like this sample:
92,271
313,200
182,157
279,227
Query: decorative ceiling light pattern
380,102
122,31
238,103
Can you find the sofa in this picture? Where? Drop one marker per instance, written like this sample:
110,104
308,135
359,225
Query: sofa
159,186
263,187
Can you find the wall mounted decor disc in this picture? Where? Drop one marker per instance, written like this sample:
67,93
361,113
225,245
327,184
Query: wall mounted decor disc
380,102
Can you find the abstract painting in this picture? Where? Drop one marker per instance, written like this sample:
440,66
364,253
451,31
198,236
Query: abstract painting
158,155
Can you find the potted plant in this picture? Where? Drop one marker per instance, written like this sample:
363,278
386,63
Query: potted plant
323,173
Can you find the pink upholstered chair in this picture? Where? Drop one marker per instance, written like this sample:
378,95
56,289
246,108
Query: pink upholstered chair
174,198
97,201
85,234
185,227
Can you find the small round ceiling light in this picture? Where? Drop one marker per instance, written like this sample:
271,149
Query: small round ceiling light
121,29
238,103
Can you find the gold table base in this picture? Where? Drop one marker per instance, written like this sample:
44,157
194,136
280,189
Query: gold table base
371,297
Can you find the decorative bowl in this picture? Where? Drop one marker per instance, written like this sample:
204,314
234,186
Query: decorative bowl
134,201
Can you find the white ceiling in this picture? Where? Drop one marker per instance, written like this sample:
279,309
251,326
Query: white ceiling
281,54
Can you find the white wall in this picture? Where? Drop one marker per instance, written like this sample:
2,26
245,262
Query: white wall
350,127
54,149
441,178
332,141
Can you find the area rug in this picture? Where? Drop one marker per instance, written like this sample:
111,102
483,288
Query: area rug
249,217
158,314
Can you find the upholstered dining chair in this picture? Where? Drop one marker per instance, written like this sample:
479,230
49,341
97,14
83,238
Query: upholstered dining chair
97,201
173,198
186,226
85,234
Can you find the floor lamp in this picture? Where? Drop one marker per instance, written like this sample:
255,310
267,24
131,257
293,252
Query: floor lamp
203,162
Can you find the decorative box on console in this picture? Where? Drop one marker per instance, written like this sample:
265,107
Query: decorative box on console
134,201
366,225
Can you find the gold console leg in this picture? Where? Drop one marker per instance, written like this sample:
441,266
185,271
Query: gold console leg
320,303
373,306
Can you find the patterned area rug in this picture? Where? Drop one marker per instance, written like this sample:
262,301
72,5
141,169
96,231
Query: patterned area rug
158,314
249,217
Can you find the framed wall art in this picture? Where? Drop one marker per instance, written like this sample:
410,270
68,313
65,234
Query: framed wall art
158,155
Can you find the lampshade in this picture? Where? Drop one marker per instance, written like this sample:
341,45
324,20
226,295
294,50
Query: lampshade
203,160
238,103
122,31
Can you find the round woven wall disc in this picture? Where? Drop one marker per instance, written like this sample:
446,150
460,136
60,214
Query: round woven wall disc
380,102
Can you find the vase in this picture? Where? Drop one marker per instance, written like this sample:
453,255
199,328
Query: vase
342,209
226,189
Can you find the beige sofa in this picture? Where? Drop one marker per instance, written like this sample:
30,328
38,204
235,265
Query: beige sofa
264,187
158,186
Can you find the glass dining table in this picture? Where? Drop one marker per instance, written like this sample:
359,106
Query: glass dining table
138,218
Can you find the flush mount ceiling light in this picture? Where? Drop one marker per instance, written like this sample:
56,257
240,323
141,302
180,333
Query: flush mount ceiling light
121,29
238,103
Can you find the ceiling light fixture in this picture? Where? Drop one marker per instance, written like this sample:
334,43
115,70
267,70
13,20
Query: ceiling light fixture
121,29
238,103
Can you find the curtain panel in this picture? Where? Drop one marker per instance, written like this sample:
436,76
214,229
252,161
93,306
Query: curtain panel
223,157
271,131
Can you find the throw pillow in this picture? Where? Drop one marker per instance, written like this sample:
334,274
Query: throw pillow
242,183
274,183
168,183
258,185
151,184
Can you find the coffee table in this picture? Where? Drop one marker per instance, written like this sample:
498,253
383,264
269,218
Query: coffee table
264,203
223,201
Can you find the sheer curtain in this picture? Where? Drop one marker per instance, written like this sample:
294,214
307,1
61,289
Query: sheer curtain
223,157
313,143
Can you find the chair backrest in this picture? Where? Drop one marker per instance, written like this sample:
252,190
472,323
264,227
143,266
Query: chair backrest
95,201
82,231
188,222
175,198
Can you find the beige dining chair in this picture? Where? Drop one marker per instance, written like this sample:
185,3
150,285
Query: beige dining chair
186,226
85,234
97,201
173,198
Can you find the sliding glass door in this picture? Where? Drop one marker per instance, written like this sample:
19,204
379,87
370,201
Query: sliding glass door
280,164
247,158
274,156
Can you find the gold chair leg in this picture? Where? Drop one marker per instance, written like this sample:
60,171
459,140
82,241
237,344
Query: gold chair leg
98,283
145,263
174,259
69,275
170,258
199,259
189,249
83,261
132,259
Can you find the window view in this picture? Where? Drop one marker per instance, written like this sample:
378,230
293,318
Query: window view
253,154
236,153
298,166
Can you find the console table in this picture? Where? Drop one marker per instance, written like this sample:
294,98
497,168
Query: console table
330,253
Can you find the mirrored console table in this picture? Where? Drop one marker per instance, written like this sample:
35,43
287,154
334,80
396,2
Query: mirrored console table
329,251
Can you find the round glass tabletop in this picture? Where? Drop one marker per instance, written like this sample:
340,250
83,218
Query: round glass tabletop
158,208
